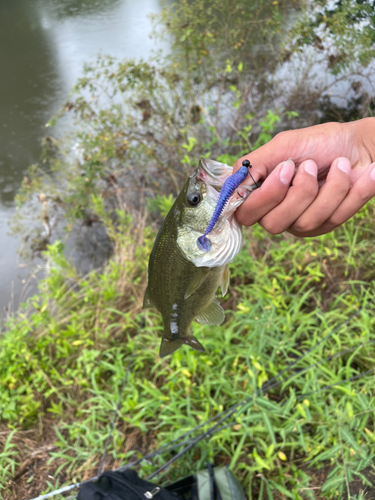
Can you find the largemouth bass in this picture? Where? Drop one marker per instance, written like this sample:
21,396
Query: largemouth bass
182,278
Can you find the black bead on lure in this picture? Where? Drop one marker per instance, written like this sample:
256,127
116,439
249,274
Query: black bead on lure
229,186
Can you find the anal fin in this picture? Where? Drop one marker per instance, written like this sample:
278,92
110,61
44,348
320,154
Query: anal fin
212,315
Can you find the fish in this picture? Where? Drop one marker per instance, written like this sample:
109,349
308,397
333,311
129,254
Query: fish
182,278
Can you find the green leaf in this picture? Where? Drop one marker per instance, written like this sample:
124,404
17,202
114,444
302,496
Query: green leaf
260,461
332,483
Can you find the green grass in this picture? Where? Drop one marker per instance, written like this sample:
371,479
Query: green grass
8,461
63,366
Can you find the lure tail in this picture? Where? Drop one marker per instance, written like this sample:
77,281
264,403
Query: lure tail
204,243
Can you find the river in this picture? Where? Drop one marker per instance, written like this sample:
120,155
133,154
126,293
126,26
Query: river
43,46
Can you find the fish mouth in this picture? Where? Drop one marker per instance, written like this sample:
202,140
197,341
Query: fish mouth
217,172
214,168
213,174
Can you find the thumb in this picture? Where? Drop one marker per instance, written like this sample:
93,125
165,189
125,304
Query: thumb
266,158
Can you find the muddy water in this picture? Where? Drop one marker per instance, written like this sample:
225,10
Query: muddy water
43,46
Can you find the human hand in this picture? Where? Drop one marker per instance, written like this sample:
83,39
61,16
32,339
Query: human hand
329,176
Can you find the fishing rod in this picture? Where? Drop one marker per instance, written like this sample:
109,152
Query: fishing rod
208,434
309,394
168,447
267,386
272,383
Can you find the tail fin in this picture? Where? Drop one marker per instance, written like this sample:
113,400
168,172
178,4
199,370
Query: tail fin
193,343
169,346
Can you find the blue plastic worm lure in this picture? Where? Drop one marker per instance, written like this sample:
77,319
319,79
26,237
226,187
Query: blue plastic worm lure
229,186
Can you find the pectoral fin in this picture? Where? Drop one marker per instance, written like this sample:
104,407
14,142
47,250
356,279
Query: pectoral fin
147,301
199,276
224,281
212,315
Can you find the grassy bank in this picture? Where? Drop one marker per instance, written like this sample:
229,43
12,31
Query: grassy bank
140,130
62,365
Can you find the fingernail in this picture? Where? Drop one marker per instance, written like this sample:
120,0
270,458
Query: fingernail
286,172
311,168
372,175
344,165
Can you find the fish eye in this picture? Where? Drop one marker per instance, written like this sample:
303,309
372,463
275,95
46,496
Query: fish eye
194,199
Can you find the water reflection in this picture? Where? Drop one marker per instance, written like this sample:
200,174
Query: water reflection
72,8
43,46
28,83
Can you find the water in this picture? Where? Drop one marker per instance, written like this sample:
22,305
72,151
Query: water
43,46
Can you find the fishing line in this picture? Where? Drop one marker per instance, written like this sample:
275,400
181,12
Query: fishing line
308,394
350,379
344,322
272,383
132,464
215,428
328,358
304,370
269,385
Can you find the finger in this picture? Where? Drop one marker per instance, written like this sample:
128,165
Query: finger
299,196
321,143
361,192
329,198
268,196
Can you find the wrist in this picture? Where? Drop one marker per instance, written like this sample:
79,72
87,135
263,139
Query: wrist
365,135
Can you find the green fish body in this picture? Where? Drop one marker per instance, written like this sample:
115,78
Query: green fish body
182,279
